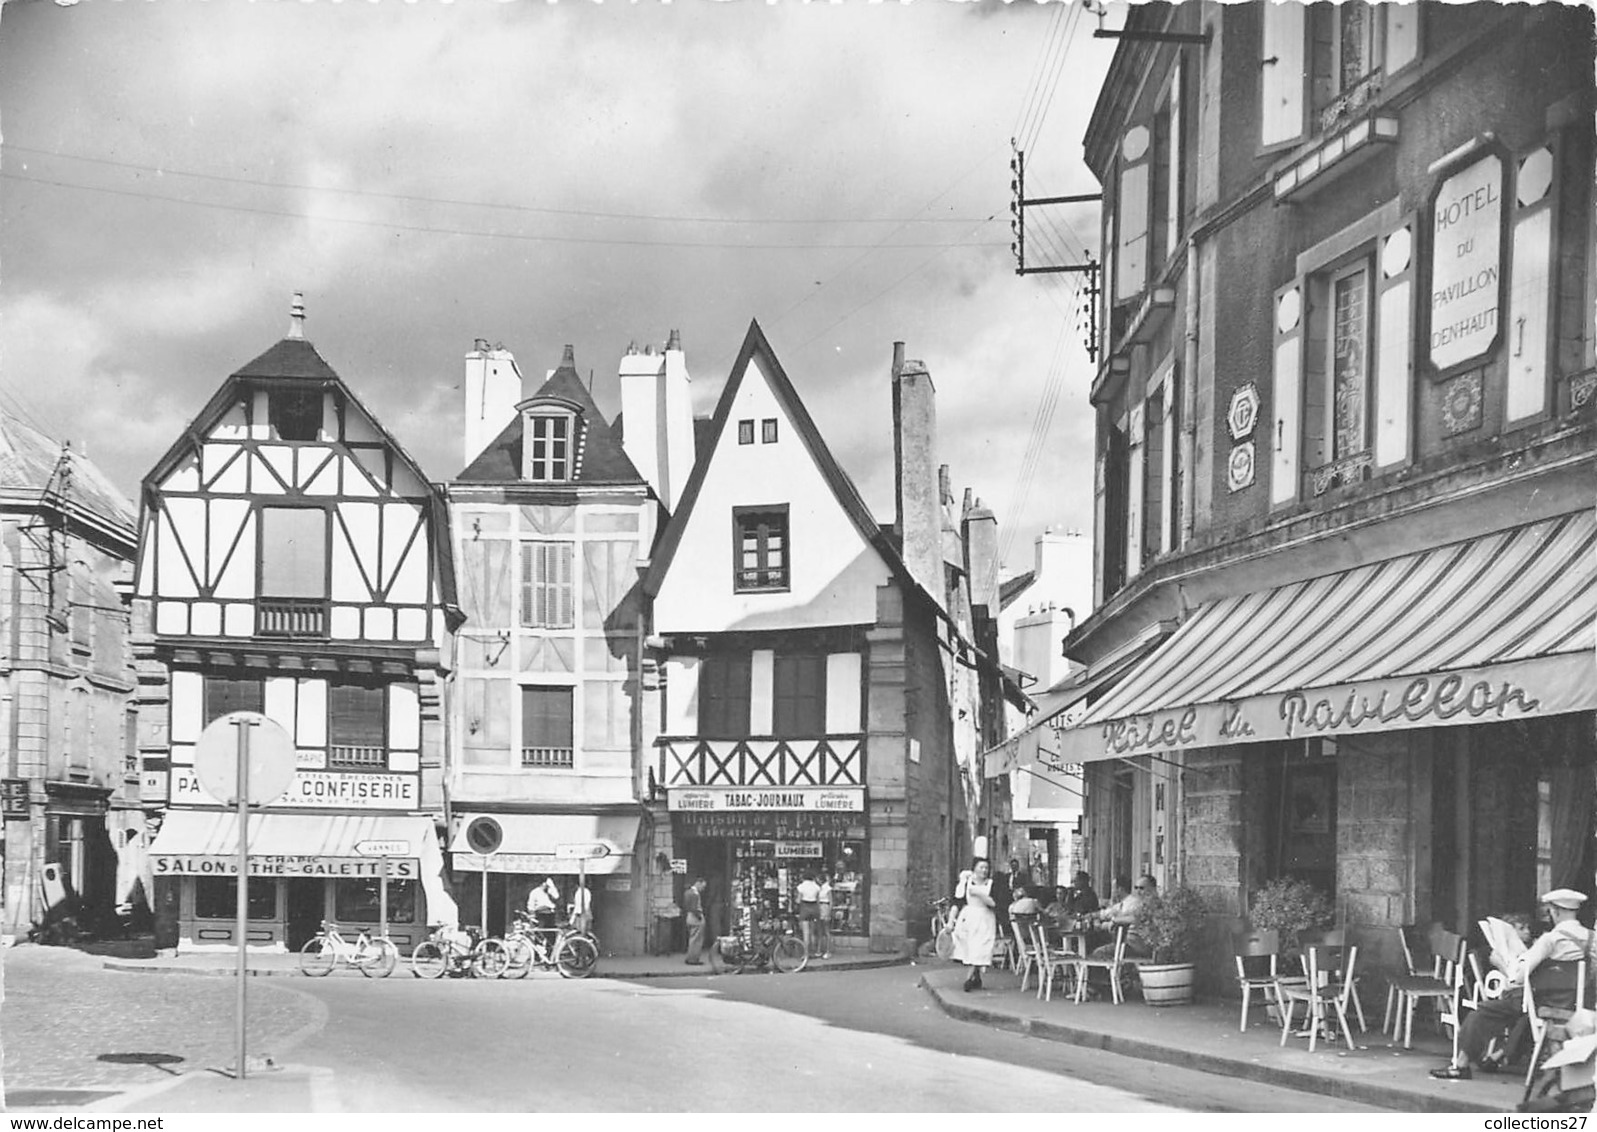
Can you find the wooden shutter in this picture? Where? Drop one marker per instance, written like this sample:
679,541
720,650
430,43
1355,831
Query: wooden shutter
724,684
799,697
1136,425
1281,74
1286,385
1530,288
1394,344
1402,35
1132,204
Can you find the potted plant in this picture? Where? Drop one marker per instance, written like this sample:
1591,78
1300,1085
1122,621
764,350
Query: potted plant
1171,925
1290,906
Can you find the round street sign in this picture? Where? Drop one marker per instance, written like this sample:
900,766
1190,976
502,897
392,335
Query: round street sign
581,850
484,835
271,758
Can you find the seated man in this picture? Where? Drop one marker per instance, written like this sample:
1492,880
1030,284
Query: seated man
1565,942
1081,898
1058,910
1124,913
1024,904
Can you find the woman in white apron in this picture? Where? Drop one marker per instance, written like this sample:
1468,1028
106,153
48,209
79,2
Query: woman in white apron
976,930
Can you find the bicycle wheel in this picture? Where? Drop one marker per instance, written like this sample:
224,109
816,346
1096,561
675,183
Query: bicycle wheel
576,957
317,957
428,961
490,959
945,943
518,957
380,959
788,955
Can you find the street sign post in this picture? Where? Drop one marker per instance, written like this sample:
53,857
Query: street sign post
245,774
485,835
583,852
382,850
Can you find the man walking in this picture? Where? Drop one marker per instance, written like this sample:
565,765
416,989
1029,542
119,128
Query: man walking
693,911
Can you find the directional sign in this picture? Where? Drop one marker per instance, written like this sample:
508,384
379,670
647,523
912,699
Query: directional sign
383,848
585,850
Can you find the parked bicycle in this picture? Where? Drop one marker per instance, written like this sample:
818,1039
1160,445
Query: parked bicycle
574,954
374,957
942,926
457,952
779,948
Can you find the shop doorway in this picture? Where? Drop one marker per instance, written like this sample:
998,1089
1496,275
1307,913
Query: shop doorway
1306,819
307,907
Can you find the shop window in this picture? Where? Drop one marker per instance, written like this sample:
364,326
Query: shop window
216,898
724,684
548,440
295,414
358,901
546,601
761,546
746,431
546,727
798,707
357,715
766,874
224,694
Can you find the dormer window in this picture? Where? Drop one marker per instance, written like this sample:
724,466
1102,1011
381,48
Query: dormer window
549,446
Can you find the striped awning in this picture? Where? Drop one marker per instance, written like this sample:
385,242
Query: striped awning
1495,628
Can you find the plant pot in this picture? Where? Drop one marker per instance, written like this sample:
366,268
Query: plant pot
1166,984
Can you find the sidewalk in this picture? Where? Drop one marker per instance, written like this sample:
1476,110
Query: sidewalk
1204,1036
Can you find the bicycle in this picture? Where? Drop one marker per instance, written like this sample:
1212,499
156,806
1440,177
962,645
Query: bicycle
459,951
574,954
373,957
779,949
942,926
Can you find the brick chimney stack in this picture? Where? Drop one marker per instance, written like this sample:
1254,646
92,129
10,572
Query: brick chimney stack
493,389
918,489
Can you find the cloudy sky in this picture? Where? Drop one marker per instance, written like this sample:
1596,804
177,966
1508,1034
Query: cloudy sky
536,174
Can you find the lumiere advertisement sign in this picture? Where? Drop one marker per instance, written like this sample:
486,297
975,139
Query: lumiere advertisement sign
1466,263
1544,686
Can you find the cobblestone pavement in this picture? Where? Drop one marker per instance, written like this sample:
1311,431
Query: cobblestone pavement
67,1023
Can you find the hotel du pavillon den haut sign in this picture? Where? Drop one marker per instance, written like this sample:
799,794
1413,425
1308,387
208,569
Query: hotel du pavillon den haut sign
1466,263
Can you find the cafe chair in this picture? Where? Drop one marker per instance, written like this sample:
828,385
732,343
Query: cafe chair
1258,956
1058,961
1335,942
1553,993
1328,989
1442,987
1111,964
1026,957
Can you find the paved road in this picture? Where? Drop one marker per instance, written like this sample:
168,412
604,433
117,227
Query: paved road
860,1041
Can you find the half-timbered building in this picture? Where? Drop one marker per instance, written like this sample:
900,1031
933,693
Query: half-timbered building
293,560
551,521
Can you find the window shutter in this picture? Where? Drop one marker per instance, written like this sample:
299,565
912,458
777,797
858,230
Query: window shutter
1282,74
1138,422
1402,35
1530,287
1132,206
529,587
1394,344
1287,376
1176,162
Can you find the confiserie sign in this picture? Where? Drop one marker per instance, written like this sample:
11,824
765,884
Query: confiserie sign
775,798
316,789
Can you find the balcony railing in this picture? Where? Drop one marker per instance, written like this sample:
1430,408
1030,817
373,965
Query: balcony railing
829,760
357,758
291,617
556,758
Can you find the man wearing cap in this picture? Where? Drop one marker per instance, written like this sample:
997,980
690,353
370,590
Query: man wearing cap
1565,942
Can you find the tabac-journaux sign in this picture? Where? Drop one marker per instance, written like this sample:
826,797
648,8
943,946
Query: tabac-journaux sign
741,798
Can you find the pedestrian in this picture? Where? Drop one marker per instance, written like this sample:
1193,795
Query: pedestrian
826,915
809,910
976,930
693,912
543,902
581,908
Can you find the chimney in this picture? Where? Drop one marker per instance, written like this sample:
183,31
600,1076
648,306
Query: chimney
657,417
981,556
918,488
296,316
493,389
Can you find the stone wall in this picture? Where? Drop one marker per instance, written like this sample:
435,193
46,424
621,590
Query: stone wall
1373,806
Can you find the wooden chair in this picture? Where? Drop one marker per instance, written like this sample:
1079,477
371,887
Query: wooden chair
1058,962
1553,993
1113,964
1329,986
1334,943
1026,957
1442,986
1264,949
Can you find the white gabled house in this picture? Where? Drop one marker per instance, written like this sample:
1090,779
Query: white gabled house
294,560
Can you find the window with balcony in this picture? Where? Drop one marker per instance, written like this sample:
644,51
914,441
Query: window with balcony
760,543
546,727
224,694
548,439
357,716
798,696
724,685
293,571
546,586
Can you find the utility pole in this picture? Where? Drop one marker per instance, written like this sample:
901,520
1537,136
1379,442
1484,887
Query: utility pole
1018,204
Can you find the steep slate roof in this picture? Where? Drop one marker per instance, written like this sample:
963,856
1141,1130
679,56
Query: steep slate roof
600,456
28,462
292,357
1011,588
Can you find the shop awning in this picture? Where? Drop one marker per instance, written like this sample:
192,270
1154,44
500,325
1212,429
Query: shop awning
1495,628
543,844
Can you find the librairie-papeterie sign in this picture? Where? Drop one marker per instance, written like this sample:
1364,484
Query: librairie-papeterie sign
1466,263
1544,686
316,790
713,799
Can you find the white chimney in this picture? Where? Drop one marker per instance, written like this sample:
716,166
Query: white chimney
917,483
493,389
657,417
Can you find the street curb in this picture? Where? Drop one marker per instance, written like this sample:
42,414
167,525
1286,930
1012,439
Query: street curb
1398,1100
273,972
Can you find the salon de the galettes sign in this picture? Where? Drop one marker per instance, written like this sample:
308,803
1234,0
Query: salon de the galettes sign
1472,696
